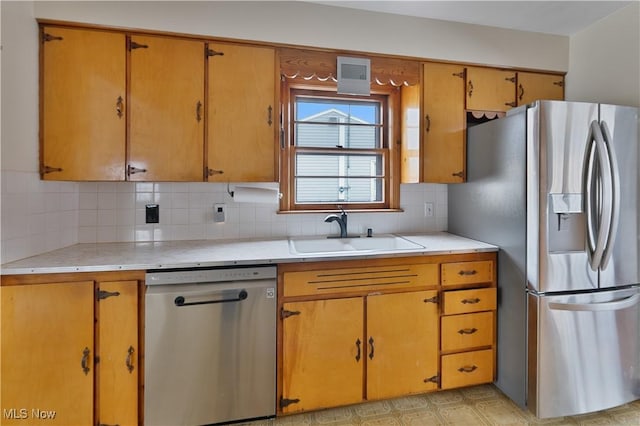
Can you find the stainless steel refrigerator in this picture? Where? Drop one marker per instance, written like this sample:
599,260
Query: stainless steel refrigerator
556,186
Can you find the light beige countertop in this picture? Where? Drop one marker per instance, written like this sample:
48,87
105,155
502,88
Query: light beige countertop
97,257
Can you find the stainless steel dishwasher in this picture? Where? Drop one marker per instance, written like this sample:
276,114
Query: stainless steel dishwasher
210,345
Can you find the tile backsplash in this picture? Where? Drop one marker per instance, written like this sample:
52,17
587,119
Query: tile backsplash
40,216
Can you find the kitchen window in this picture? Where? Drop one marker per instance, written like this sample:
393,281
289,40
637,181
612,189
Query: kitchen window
338,153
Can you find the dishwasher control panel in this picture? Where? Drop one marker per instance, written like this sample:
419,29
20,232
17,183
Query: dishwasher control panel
191,276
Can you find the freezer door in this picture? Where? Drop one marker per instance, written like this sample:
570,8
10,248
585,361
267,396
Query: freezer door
620,264
558,138
584,352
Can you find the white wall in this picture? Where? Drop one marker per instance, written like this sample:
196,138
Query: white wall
604,60
40,216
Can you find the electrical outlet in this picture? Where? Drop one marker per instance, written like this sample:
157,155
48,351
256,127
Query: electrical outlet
219,213
428,209
152,213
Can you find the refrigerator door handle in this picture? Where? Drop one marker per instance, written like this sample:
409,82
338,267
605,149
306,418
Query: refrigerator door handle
614,191
615,305
599,186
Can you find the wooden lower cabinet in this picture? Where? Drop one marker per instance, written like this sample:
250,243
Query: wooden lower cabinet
353,331
70,349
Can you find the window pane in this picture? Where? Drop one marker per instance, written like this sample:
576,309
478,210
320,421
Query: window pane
337,165
316,110
337,135
339,190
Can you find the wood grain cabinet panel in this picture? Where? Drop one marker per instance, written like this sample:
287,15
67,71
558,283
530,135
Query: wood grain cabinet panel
460,332
242,113
490,89
82,104
456,273
402,344
534,86
467,301
47,354
467,368
323,354
444,123
166,109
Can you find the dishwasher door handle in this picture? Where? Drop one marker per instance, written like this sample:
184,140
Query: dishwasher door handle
180,300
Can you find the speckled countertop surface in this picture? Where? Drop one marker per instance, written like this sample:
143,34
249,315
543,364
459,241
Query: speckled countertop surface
198,253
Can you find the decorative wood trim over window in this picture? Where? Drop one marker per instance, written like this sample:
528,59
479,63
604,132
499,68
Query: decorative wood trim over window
309,64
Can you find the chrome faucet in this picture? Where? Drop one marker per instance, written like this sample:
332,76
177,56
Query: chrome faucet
342,221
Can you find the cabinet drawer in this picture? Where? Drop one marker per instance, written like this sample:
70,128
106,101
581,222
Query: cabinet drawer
467,272
341,280
467,331
466,301
467,368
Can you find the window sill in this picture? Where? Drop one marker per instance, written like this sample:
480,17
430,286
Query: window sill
337,210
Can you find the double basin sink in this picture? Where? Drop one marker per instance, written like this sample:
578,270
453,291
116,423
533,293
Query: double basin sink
326,246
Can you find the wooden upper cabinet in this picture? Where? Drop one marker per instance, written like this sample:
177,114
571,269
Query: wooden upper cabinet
490,89
166,141
534,86
242,113
444,123
47,353
82,104
118,352
402,344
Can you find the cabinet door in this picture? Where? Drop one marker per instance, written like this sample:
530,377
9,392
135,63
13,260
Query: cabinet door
47,354
444,124
402,344
83,94
242,113
118,370
167,109
322,354
490,89
534,86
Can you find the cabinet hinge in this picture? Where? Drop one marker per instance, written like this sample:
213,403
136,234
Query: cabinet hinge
433,379
433,299
286,314
559,83
103,294
285,402
105,424
133,45
49,37
459,74
46,169
210,52
511,104
511,79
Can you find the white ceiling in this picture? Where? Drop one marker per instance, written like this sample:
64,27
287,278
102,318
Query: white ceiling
550,17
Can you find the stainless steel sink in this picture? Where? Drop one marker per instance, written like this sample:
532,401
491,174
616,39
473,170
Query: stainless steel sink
324,246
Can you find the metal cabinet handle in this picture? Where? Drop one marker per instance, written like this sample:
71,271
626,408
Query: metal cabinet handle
467,330
470,88
129,361
270,115
469,272
521,95
467,369
470,301
358,342
85,361
372,348
199,111
119,106
427,121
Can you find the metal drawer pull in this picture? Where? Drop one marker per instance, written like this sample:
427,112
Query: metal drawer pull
470,301
468,369
358,342
180,301
467,331
129,359
85,361
471,272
